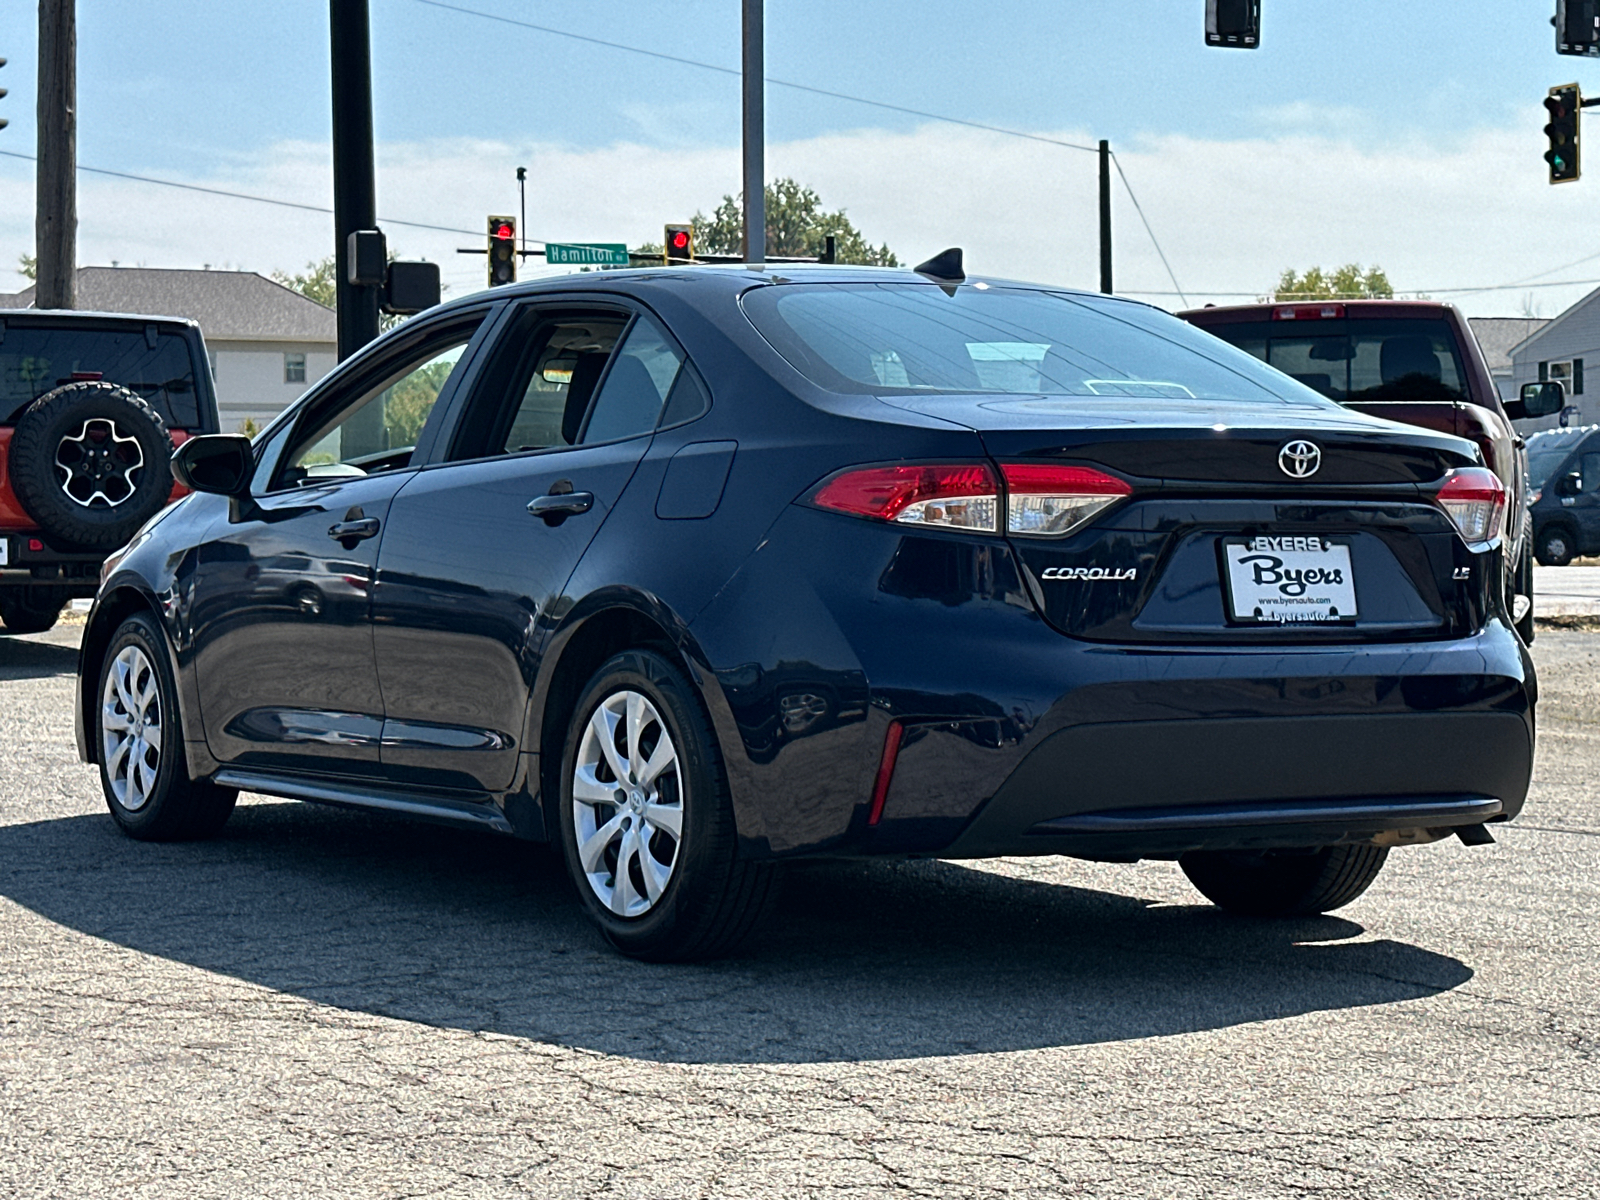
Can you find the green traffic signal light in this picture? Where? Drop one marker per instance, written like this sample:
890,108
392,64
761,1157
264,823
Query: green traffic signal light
1564,104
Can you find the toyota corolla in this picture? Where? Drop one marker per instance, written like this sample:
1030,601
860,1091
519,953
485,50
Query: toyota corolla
697,570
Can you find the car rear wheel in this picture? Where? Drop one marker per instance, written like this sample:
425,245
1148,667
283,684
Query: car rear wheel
1283,883
30,609
91,462
646,819
1556,547
143,770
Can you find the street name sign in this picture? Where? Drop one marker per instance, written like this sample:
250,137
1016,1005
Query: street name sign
590,254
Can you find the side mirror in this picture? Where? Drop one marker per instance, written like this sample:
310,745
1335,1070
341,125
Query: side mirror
220,463
1570,484
1537,400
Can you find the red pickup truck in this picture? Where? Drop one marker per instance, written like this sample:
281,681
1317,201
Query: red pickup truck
1410,361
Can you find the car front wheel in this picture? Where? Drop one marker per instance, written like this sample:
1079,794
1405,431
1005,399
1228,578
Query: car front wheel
143,771
1557,546
1284,883
646,819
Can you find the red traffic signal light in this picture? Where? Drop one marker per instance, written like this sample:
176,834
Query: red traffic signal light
679,244
502,251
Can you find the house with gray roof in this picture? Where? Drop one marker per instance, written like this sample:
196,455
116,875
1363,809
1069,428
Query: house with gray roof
267,343
1558,350
1496,337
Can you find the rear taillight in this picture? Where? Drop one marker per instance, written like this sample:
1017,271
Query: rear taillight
1476,501
1039,499
1051,500
965,496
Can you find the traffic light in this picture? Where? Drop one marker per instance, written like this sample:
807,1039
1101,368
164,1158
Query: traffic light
1235,23
1565,105
3,121
502,250
1577,25
679,244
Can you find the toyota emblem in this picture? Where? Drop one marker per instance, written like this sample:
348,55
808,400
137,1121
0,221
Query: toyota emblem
1299,459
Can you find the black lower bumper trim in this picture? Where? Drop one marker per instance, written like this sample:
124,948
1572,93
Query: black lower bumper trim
1376,815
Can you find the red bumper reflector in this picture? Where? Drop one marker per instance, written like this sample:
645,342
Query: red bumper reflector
880,788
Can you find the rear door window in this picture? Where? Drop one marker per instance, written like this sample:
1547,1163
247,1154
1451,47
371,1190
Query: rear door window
1359,361
561,378
155,365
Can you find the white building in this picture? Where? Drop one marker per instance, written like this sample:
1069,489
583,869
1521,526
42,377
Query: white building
1559,350
267,343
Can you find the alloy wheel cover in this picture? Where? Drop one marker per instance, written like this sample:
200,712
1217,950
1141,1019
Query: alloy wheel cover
99,465
627,804
130,727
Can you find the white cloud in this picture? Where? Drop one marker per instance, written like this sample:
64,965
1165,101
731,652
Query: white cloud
1230,214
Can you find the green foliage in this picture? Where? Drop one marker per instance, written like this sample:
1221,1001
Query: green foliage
797,227
318,282
28,266
1348,282
409,401
249,428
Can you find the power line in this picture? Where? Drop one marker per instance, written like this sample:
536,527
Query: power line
721,70
1140,210
210,191
1423,291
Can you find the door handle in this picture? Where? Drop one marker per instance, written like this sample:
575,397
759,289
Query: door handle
348,533
557,506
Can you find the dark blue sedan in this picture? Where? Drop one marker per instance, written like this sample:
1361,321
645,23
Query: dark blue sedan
697,570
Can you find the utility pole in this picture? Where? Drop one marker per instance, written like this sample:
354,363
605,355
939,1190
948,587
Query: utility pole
755,135
1105,216
55,228
355,200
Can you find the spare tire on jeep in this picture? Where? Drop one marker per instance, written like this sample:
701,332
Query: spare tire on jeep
91,462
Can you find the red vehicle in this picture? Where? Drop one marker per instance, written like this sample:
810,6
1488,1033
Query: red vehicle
91,405
1410,361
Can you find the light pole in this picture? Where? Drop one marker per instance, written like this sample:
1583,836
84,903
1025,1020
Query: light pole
755,197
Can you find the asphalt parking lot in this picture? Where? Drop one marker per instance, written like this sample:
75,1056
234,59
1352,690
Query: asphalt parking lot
326,1004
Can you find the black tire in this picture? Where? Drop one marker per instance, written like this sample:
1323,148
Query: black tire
31,609
1555,546
91,462
713,898
174,807
1284,883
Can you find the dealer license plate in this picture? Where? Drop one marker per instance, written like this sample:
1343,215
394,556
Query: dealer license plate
1283,579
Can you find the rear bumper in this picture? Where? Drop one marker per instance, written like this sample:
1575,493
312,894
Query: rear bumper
1158,788
1008,726
33,559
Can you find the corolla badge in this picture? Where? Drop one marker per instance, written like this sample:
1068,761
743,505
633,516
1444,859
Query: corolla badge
1299,459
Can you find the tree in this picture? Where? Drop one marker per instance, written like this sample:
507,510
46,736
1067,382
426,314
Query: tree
797,227
1348,282
28,266
318,282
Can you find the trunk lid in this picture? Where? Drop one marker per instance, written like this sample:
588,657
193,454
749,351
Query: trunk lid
1208,475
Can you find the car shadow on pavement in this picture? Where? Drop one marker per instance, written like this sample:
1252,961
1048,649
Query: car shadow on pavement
24,658
864,960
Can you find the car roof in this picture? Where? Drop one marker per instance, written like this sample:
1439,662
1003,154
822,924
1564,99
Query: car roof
1557,438
53,316
734,278
1230,314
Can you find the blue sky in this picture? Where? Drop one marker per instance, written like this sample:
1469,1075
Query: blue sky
217,91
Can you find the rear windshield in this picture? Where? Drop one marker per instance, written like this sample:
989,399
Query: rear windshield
913,338
33,361
1364,361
